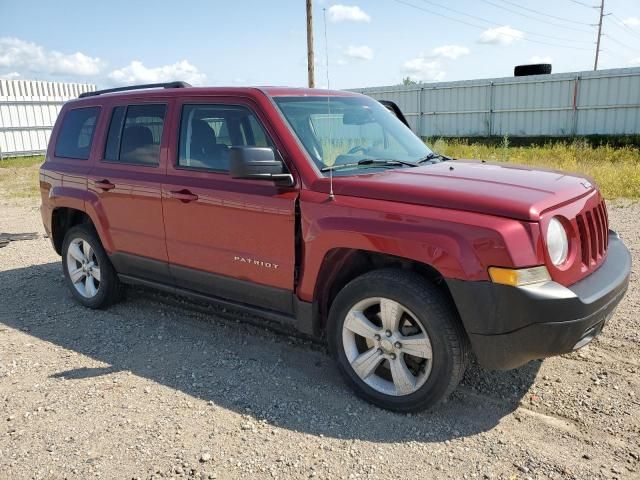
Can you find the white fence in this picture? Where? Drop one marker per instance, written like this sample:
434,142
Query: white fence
605,102
28,110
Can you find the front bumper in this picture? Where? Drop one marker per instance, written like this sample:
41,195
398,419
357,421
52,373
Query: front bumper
509,326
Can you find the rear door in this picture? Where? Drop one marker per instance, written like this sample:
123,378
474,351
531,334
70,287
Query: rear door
127,179
227,237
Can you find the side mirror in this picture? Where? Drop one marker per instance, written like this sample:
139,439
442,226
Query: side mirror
393,108
258,163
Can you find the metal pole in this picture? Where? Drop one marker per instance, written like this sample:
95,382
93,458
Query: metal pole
310,61
595,65
490,109
420,113
576,84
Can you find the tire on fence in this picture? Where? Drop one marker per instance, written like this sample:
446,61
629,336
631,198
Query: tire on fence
533,69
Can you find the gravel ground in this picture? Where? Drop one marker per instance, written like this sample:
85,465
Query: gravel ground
160,387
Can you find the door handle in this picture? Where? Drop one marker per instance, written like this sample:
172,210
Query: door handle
184,195
104,185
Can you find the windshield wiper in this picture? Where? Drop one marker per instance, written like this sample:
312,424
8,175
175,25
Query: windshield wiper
433,158
368,161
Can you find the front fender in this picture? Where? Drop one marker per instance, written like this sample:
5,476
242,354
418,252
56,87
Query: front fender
459,245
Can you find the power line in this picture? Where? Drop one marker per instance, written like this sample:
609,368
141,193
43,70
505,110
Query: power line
515,36
529,17
626,13
490,22
621,44
440,14
577,2
620,24
601,34
544,14
609,52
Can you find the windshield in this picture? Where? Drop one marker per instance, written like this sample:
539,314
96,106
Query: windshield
346,130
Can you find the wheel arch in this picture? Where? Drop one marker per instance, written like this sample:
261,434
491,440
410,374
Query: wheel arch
342,265
62,219
72,206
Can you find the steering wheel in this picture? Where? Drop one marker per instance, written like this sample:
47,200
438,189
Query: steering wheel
357,149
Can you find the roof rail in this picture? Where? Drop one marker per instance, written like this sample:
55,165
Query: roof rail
136,87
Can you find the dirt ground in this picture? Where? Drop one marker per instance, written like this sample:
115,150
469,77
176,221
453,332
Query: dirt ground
160,387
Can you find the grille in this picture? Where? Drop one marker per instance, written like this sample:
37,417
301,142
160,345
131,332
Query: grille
593,227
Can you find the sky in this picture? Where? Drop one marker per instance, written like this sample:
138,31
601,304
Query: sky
251,42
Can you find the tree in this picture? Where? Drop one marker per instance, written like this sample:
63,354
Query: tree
408,81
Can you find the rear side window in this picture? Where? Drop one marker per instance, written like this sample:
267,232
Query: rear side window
208,131
112,150
134,134
76,133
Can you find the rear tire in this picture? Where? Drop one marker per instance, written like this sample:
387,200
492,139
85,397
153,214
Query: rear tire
90,275
397,340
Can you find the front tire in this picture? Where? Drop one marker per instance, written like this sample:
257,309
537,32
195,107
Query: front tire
397,340
87,269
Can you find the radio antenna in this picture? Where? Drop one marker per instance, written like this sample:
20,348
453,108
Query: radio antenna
326,54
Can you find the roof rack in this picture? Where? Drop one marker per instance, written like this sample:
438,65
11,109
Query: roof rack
136,87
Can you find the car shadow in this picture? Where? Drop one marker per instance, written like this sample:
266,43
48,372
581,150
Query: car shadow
216,355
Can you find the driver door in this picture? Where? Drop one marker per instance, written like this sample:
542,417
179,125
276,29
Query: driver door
226,237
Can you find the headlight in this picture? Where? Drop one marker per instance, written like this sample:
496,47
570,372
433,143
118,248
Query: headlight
557,242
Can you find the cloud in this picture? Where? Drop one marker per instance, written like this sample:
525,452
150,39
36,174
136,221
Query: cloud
427,67
361,52
10,76
422,69
632,21
137,72
345,13
450,51
504,35
27,56
539,59
19,58
634,62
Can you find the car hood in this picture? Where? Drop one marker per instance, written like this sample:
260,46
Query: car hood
498,189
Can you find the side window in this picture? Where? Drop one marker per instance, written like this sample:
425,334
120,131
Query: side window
134,135
253,133
76,133
112,149
221,130
208,131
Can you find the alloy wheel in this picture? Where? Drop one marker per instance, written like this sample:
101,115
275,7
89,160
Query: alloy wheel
387,346
83,268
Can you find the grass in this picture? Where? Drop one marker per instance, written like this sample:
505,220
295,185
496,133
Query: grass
19,177
616,170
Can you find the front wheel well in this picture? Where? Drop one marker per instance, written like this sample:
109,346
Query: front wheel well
62,220
342,265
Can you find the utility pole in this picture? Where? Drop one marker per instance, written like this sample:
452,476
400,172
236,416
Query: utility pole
595,65
310,62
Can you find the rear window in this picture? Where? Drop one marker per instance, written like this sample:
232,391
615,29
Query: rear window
134,134
76,133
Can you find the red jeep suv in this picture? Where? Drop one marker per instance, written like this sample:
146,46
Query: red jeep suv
321,209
